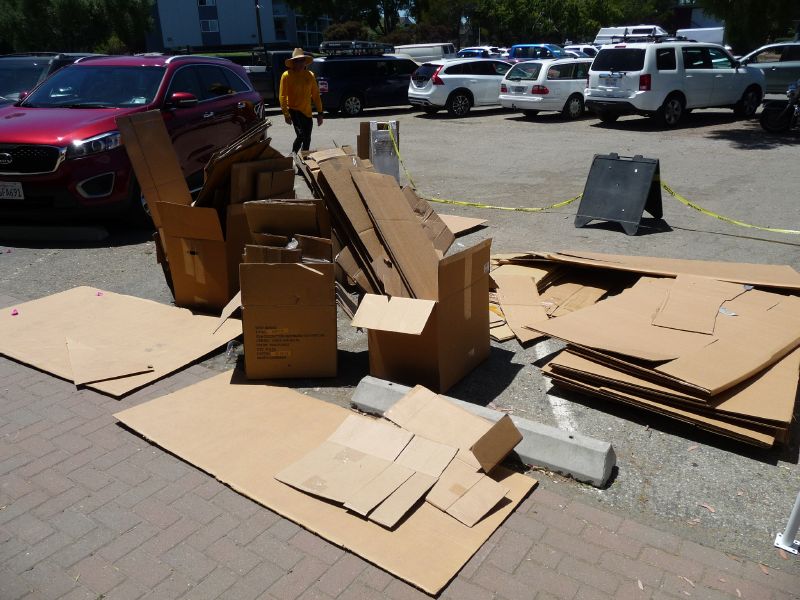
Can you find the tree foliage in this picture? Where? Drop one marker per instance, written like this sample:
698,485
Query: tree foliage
751,23
349,30
74,25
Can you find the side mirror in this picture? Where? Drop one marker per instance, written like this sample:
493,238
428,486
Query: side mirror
23,95
182,100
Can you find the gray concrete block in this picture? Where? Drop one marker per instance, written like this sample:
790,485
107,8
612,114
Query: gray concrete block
581,457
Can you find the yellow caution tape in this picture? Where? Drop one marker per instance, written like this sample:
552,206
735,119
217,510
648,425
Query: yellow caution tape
666,188
709,213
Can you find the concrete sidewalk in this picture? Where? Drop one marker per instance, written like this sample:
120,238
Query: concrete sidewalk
90,510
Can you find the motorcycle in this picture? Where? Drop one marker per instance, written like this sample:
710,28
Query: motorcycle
782,115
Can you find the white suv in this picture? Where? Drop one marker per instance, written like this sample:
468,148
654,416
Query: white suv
667,79
546,85
457,85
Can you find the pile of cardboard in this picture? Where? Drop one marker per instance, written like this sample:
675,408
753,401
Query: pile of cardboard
712,344
434,449
425,314
200,242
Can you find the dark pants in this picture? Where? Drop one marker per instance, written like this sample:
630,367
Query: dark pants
302,129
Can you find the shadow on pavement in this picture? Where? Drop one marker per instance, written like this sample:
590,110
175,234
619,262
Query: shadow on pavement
72,235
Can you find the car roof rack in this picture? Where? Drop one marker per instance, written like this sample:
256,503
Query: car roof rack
355,48
655,39
175,57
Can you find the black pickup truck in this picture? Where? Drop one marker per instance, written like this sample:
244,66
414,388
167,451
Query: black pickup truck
265,70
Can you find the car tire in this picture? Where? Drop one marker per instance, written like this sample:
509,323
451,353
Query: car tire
775,118
458,104
138,213
352,105
672,111
529,114
607,117
431,110
573,108
748,104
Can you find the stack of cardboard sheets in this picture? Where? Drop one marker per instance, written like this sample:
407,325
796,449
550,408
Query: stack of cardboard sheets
712,344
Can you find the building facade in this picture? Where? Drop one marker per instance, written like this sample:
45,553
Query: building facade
210,24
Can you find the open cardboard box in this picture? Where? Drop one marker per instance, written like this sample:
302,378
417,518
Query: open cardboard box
432,342
203,251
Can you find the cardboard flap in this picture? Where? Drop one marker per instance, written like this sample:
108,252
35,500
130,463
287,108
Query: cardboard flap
315,248
377,490
400,315
454,482
493,446
281,218
426,456
394,508
274,183
461,270
519,299
477,501
459,225
244,175
286,284
230,308
99,362
190,222
270,254
371,436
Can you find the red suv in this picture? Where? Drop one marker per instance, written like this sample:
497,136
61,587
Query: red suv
60,151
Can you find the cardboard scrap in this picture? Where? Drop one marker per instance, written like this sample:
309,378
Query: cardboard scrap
245,421
91,364
395,507
375,491
693,303
519,300
459,225
141,333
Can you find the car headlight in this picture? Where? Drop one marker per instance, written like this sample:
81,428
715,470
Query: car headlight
98,143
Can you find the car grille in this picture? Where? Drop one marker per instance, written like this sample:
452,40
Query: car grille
28,159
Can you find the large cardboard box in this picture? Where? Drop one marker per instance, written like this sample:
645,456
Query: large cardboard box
289,320
433,342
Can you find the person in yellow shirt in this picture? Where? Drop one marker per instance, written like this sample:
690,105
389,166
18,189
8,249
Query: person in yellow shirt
298,88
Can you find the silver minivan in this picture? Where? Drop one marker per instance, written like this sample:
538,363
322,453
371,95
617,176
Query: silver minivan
423,53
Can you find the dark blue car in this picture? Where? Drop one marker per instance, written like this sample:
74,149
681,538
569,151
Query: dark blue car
522,52
352,83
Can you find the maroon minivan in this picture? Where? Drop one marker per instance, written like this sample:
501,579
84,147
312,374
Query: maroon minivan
60,151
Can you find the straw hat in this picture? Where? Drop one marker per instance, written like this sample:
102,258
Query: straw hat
297,55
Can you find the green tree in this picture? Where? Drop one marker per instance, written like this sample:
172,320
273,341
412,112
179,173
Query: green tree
349,30
751,23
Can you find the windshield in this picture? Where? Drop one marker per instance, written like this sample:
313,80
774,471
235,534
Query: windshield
619,59
18,75
97,87
524,71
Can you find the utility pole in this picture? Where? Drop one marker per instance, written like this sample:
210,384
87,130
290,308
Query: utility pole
258,24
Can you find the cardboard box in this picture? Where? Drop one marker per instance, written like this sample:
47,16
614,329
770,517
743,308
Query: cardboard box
288,319
245,178
203,261
433,342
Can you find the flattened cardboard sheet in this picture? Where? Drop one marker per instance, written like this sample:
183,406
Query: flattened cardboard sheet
455,481
521,305
372,436
244,421
169,337
693,303
426,456
91,363
461,225
780,276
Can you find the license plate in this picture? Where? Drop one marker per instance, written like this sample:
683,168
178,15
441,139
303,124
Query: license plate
519,89
11,190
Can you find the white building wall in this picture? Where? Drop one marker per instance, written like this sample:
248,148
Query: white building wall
180,25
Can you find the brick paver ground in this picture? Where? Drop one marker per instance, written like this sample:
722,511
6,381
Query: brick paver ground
89,510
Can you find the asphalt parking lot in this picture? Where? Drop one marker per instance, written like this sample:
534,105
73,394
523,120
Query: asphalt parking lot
716,492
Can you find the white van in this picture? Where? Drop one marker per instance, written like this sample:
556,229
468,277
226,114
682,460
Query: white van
423,53
606,34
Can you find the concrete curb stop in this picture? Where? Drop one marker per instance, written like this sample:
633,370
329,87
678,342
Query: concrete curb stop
581,457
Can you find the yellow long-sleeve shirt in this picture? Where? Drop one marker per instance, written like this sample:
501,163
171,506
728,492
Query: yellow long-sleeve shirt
297,90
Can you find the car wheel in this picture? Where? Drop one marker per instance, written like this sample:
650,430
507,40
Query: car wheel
573,107
352,105
748,104
530,113
671,112
458,104
139,214
607,117
776,118
431,110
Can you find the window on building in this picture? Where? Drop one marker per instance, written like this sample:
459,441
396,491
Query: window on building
209,25
206,2
280,28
